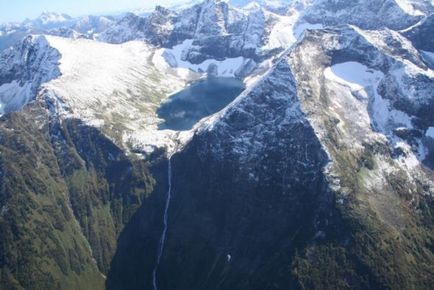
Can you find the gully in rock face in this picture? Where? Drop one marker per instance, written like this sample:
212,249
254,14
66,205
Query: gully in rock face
165,223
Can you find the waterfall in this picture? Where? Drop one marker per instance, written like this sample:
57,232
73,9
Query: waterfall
163,234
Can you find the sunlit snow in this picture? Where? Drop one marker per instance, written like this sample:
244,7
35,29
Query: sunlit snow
173,57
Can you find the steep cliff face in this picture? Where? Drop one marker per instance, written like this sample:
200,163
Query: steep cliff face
215,29
67,192
306,181
258,200
25,67
240,205
365,14
42,245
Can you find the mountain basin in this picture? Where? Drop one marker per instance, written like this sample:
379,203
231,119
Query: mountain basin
183,110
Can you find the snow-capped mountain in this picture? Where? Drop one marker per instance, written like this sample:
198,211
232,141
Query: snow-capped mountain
53,24
49,20
10,33
365,14
211,32
322,131
210,38
319,175
276,6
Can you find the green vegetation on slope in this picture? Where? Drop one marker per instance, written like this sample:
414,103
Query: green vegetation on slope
66,193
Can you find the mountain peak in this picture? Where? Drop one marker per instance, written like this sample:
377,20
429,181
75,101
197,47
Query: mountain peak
53,17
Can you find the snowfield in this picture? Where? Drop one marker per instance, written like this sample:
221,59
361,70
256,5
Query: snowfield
369,108
115,87
364,82
355,75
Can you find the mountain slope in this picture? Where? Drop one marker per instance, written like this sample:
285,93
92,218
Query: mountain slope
42,245
371,14
213,29
298,184
79,190
53,24
318,176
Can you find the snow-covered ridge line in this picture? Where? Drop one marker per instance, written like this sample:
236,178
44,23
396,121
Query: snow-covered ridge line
407,6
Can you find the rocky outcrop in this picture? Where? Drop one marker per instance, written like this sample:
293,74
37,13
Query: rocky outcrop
420,34
371,14
25,67
217,31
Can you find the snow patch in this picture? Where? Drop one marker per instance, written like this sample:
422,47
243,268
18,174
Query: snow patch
14,96
354,75
408,8
430,133
115,87
282,33
302,27
175,58
363,82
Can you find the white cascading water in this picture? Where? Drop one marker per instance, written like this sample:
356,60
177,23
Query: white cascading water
163,234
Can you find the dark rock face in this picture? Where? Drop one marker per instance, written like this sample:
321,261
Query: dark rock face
421,34
221,211
217,29
371,14
159,26
29,60
220,31
236,196
79,191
